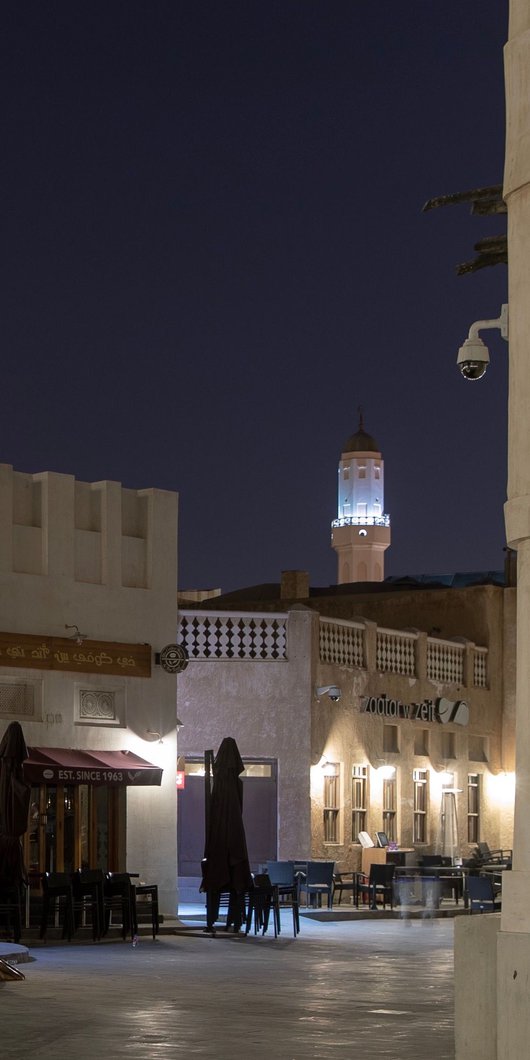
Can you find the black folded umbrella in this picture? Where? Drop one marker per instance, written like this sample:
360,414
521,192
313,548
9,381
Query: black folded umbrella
226,866
14,805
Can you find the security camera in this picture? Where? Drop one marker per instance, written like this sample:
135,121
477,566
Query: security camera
473,357
333,691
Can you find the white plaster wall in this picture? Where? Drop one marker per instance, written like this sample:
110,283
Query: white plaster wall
266,707
475,987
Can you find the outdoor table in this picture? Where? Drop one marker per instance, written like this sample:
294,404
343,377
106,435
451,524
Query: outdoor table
453,876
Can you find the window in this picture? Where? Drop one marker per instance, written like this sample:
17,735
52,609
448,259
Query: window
362,471
389,808
477,749
420,777
421,742
331,802
346,474
473,807
377,471
448,745
359,784
390,738
362,509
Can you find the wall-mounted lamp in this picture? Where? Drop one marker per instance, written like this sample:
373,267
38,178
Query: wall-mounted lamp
76,635
446,779
473,357
179,724
386,772
330,769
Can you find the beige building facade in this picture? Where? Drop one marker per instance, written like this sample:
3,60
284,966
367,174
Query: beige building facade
87,600
398,718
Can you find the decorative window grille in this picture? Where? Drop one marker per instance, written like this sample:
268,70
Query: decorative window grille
389,807
331,802
473,807
342,643
97,705
102,706
228,635
16,700
420,777
359,800
396,652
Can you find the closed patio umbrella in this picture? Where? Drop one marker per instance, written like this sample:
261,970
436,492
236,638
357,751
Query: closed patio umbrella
226,866
14,805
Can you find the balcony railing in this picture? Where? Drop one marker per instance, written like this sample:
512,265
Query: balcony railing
445,661
342,643
396,652
225,635
229,635
362,520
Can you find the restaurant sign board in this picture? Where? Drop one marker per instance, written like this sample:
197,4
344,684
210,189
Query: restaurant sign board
62,653
441,710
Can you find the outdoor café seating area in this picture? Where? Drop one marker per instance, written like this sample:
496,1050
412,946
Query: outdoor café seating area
281,885
87,903
431,882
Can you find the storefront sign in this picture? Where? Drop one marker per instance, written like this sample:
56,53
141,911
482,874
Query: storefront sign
173,658
65,765
88,657
439,710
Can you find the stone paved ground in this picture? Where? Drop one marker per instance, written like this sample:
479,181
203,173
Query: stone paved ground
373,989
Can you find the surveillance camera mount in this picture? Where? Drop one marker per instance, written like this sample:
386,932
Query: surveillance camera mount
473,356
482,325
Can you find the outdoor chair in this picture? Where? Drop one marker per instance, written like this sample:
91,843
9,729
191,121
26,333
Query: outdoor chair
379,884
119,898
481,895
10,911
232,904
284,876
493,857
147,903
57,901
263,899
318,881
87,888
343,881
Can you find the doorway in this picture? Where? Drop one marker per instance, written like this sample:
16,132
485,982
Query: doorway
74,826
260,814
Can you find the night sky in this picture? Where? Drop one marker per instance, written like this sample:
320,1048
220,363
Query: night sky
214,251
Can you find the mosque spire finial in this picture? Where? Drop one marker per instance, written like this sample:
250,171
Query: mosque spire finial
360,410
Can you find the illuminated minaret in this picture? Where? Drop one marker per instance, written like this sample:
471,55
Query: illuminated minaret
361,532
